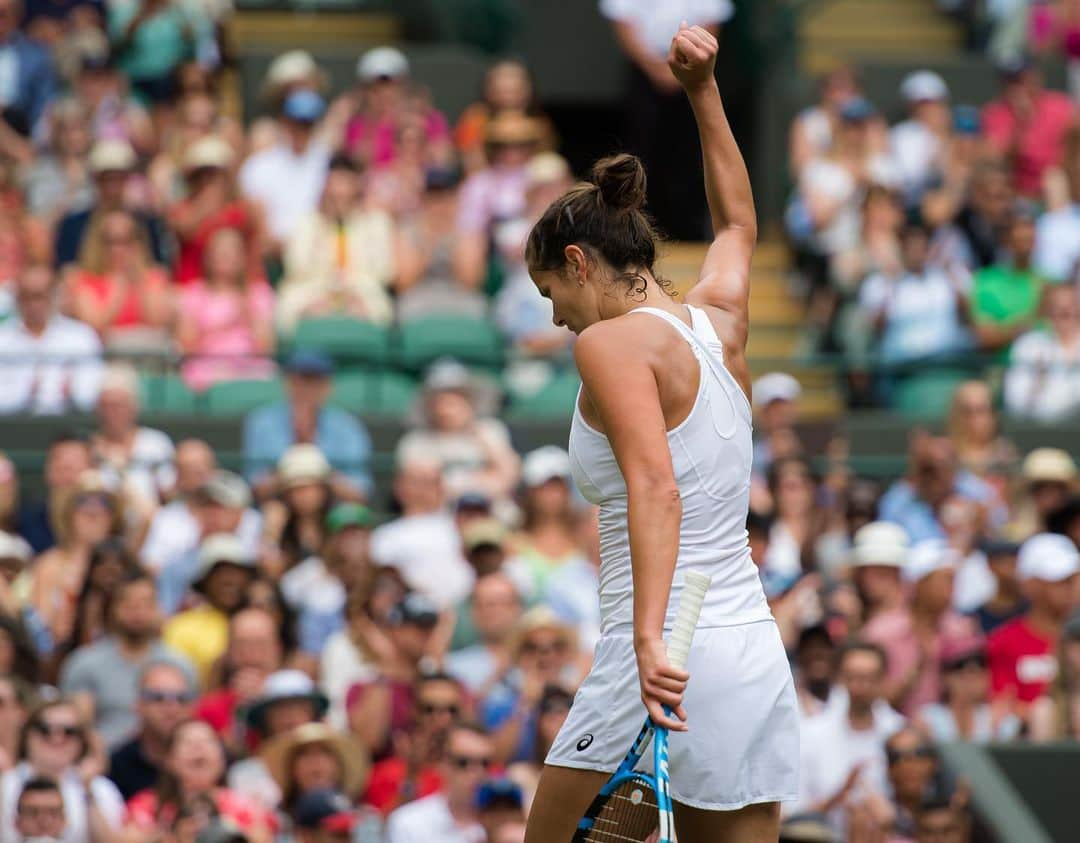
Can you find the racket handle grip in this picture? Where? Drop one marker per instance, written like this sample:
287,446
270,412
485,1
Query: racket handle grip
695,586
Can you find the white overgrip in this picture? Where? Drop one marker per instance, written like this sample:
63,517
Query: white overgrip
695,586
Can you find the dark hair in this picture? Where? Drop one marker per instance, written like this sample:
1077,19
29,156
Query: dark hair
127,579
38,784
170,797
777,469
860,646
341,161
605,217
25,663
111,548
287,628
35,719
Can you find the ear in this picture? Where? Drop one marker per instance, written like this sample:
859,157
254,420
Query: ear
577,262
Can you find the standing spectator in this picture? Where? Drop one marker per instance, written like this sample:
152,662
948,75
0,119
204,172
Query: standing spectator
1020,653
1057,232
1043,378
1008,600
449,816
813,129
58,181
775,401
226,318
29,81
137,459
174,529
40,814
914,637
305,417
918,144
879,555
54,362
115,289
496,610
286,179
1056,715
166,691
103,678
1026,125
973,238
66,460
976,437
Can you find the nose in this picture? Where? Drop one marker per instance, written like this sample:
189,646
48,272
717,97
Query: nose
556,320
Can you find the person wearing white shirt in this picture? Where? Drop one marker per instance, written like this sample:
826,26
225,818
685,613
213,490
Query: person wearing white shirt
1057,241
449,816
1043,378
174,529
917,144
49,364
287,179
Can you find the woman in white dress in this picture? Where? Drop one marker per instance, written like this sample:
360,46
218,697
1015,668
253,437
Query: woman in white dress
661,442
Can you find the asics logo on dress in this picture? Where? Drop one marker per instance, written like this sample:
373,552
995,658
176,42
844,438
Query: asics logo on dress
585,742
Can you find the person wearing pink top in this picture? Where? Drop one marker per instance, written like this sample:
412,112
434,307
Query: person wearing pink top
226,318
914,635
1027,124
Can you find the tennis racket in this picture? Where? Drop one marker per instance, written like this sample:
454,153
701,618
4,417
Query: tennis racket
635,807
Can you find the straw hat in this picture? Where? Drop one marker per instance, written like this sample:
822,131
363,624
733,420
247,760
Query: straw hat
278,753
540,617
302,464
209,151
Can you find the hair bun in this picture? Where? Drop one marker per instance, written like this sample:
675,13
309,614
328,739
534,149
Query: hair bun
621,181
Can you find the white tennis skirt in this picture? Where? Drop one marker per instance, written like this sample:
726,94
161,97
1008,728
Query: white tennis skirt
742,746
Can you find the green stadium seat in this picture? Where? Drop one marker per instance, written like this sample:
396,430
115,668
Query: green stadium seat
554,400
383,393
474,342
233,398
927,395
165,393
346,340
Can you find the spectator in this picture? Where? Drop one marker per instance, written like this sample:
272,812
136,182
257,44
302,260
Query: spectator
1055,716
24,241
879,555
500,803
1020,653
451,814
174,530
495,608
325,816
423,544
166,692
915,636
66,460
942,822
14,696
305,417
1043,378
139,460
1027,124
58,181
973,238
17,655
211,204
294,70
913,765
311,757
32,83
110,563
1008,600
57,745
976,438
15,555
570,589
287,178
1057,232
342,259
105,91
294,527
112,164
9,494
201,634
194,768
103,678
115,289
54,363
775,399
39,814
794,530
474,450
919,143
554,706
1005,295
815,671
225,319
813,129
1047,476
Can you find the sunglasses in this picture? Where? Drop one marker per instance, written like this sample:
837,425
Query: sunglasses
543,648
47,730
151,696
453,709
895,755
464,762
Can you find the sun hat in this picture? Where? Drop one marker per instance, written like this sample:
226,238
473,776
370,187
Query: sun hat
280,686
277,754
302,464
880,543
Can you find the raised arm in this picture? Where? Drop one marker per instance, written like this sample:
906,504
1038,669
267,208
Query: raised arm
725,275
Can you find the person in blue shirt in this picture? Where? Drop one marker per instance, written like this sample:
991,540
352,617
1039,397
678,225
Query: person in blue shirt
28,80
305,417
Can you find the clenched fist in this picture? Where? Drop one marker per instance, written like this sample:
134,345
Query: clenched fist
692,57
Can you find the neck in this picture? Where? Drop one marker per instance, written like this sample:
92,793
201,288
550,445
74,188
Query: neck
153,746
36,328
461,808
1044,621
926,616
860,717
118,437
132,647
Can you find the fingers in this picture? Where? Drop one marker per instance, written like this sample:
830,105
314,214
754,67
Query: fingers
673,722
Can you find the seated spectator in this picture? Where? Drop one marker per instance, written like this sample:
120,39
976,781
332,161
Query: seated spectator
500,805
313,757
306,417
877,250
1047,478
918,144
775,402
942,821
211,204
972,240
112,164
102,678
15,696
552,711
1043,378
111,562
67,458
1027,123
39,814
878,556
24,241
106,92
913,768
964,151
294,523
813,129
58,181
198,116
1057,231
322,816
54,363
570,589
1005,296
974,431
33,84
201,633
136,459
1008,600
495,607
286,179
343,259
451,813
225,319
423,544
475,451
814,669
17,653
166,692
1055,716
55,743
15,556
793,490
919,312
293,70
1020,653
173,530
193,769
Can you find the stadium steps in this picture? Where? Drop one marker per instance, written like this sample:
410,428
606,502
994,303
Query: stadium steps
846,31
309,30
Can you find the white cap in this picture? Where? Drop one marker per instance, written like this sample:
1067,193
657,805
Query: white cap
222,547
447,373
14,547
286,685
1048,557
929,556
209,151
112,155
924,85
293,66
547,168
880,543
548,463
775,386
301,464
382,62
227,489
121,377
1048,465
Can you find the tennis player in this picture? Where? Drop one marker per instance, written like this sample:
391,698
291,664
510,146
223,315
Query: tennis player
661,440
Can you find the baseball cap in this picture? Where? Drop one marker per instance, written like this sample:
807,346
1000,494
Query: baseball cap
349,515
382,63
304,106
112,155
446,373
290,67
223,547
414,609
14,547
227,489
325,809
547,463
999,547
1048,465
775,386
472,502
1010,67
220,830
210,151
309,361
498,793
880,543
483,532
927,557
923,85
856,110
1048,557
303,463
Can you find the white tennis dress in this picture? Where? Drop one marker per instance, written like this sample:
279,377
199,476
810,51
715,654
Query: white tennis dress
743,741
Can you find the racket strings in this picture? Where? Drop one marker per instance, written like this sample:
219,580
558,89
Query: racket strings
630,815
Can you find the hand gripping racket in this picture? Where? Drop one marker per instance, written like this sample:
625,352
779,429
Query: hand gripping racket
634,807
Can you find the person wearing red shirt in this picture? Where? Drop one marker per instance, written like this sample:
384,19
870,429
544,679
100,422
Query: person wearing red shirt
1022,653
1027,124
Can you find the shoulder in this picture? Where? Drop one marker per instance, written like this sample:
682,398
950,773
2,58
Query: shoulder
610,336
419,813
77,331
1032,343
151,438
